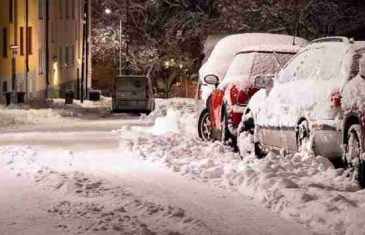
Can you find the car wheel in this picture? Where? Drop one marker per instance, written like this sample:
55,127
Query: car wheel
246,143
353,152
204,126
224,127
304,142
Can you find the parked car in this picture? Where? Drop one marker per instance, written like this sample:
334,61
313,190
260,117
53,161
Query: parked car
315,104
227,103
133,93
219,61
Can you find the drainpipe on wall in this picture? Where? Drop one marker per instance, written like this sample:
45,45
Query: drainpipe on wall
87,47
47,48
26,47
84,40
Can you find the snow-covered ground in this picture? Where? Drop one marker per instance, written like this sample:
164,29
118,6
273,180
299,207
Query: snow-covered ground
52,112
152,175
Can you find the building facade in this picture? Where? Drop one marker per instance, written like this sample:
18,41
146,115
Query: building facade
44,48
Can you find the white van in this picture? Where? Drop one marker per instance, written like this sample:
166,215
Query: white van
133,93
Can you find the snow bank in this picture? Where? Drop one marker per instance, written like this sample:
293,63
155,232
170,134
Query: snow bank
176,115
53,111
304,187
300,186
17,116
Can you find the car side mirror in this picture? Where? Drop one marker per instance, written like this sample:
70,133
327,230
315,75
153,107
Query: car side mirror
264,82
194,79
212,79
362,66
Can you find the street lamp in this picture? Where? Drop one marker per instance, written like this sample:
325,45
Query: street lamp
108,11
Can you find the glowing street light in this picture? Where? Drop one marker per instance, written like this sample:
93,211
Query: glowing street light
108,11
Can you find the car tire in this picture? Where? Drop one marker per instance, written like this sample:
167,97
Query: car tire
245,137
204,126
303,137
353,151
225,134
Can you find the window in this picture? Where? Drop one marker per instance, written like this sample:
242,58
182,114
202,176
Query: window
60,8
40,61
67,57
72,56
294,70
21,41
60,56
5,86
73,9
5,42
67,9
53,31
30,40
40,9
11,11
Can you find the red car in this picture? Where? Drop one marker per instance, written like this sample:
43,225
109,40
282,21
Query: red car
226,104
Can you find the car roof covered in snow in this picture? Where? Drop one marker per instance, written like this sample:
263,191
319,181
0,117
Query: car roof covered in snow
357,46
226,49
271,48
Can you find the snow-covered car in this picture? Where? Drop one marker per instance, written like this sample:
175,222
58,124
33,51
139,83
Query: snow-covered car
219,62
316,104
227,103
133,93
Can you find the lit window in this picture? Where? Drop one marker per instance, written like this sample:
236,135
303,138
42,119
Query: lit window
40,9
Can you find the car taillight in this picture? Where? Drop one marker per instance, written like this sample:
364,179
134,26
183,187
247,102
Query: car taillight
234,95
242,98
335,99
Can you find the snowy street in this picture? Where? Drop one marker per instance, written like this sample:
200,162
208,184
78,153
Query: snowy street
92,185
92,173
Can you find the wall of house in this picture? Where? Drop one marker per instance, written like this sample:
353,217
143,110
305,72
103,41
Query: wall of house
65,47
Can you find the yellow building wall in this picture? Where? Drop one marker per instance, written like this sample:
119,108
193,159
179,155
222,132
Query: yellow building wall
65,32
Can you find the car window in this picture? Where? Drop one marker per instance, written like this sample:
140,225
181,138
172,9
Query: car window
294,68
241,64
269,63
331,62
258,63
318,62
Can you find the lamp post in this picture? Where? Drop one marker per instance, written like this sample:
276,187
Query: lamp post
108,12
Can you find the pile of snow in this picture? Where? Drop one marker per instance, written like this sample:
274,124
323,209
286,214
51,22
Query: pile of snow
300,186
52,111
229,46
303,187
176,115
17,116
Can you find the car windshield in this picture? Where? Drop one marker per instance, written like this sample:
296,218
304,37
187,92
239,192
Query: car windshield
317,63
258,63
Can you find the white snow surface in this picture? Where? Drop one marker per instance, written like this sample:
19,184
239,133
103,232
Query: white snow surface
304,86
225,50
300,186
53,111
98,183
